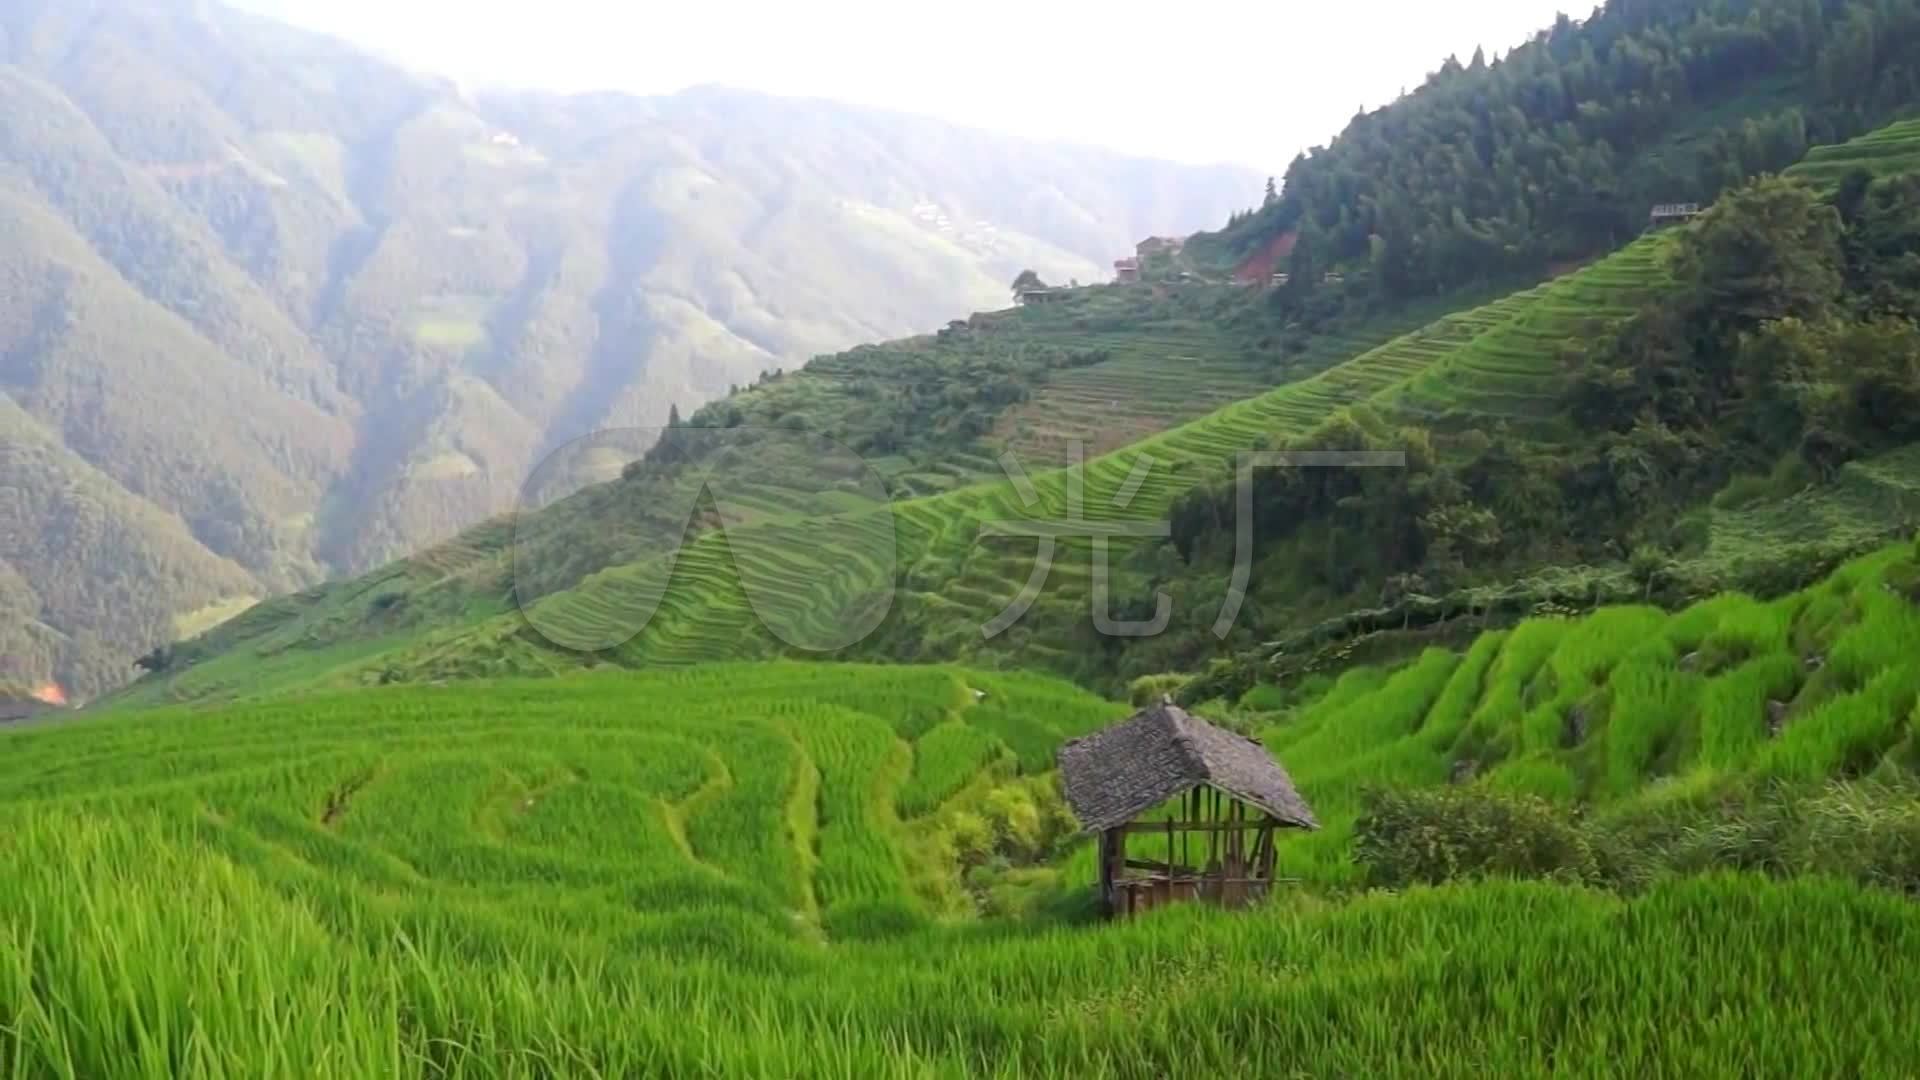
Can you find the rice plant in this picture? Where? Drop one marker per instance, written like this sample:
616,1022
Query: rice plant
731,870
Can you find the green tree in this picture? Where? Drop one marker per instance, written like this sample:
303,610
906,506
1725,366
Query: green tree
1885,247
1768,250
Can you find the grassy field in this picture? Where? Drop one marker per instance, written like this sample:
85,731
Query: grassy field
747,870
945,576
1164,374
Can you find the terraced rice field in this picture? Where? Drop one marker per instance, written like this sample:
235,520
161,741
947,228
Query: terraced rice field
1883,152
950,576
1628,706
745,870
1513,372
1869,503
1156,380
1152,383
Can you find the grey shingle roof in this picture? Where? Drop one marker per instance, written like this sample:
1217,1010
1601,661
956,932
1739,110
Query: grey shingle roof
1117,773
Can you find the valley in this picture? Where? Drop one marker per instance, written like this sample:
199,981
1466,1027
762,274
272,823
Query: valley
331,311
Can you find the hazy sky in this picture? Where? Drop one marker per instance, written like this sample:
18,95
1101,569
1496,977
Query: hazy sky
1194,80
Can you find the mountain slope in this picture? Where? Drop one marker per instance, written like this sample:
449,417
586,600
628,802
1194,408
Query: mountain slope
1490,405
321,311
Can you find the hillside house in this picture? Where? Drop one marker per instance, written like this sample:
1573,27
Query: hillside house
1155,246
1042,295
1672,214
1225,800
1126,271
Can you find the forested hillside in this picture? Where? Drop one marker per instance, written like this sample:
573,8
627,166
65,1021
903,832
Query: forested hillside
1748,424
273,311
1557,150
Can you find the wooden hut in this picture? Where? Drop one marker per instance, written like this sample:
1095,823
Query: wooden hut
1672,214
1227,796
1042,294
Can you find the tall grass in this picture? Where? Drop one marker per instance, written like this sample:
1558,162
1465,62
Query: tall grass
707,872
132,953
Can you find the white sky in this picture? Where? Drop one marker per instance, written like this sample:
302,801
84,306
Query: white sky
1191,80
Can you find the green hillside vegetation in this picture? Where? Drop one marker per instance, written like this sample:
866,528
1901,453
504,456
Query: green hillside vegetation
1556,150
1661,724
732,752
923,412
1501,369
1567,444
1697,96
611,869
285,307
1746,425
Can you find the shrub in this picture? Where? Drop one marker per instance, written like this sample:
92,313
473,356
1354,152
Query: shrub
971,838
1742,491
1149,689
1264,698
1427,837
1869,832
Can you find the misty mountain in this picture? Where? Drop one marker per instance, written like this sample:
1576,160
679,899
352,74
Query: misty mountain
273,310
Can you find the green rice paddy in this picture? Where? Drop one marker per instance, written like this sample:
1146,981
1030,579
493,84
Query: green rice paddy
738,870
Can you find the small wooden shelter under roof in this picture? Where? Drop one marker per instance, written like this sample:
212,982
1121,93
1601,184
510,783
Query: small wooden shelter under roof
1228,799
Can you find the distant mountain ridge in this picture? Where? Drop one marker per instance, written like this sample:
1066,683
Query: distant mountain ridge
272,310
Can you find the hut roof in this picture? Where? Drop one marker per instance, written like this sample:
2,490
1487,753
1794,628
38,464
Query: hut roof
1159,752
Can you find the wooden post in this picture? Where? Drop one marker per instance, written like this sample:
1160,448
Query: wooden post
1213,835
1186,835
1106,869
1263,851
